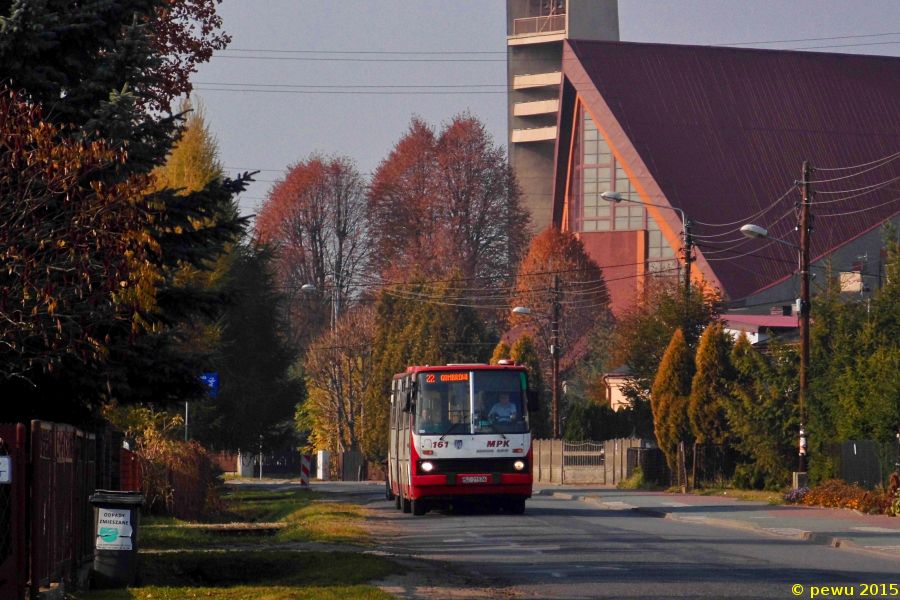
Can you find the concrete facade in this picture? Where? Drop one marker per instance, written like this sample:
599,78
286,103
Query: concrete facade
535,33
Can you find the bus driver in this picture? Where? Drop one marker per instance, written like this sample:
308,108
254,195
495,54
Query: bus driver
503,410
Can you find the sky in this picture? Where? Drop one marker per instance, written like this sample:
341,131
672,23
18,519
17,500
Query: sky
262,123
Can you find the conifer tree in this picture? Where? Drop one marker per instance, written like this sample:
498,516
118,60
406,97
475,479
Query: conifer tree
107,72
709,388
670,397
415,327
762,413
525,353
501,352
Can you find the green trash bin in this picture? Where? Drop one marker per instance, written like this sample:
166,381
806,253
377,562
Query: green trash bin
117,519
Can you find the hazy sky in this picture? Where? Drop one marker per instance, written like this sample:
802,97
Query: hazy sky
270,130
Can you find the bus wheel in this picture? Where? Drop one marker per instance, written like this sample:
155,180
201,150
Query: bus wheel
388,493
516,506
407,505
397,501
418,507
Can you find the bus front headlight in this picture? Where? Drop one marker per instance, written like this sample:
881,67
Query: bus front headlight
519,465
426,466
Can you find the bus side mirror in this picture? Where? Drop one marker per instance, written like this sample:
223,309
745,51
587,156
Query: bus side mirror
409,401
534,404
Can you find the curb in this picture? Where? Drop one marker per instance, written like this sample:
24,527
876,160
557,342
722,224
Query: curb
812,537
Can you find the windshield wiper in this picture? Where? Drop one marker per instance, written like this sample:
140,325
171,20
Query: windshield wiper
491,425
452,427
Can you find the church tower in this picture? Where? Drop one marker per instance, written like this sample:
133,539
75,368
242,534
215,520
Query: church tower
535,33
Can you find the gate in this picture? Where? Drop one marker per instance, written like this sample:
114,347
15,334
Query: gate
609,462
13,557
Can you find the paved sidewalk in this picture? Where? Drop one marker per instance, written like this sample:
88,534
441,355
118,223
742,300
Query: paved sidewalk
834,527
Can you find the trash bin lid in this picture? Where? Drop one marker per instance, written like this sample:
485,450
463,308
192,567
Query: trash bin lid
117,498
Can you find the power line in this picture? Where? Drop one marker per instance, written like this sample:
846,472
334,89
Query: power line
364,60
886,160
361,51
751,217
346,92
821,39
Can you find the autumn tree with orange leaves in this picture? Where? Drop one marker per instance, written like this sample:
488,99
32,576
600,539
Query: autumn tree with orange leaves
316,219
583,299
447,201
76,255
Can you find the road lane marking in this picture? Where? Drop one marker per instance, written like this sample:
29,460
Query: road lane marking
788,531
895,549
876,529
675,504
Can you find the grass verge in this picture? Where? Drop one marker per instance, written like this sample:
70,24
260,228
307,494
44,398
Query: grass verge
307,517
773,498
200,564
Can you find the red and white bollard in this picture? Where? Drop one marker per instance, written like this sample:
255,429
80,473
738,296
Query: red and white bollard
304,469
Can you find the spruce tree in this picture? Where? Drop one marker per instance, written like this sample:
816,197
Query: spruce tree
99,69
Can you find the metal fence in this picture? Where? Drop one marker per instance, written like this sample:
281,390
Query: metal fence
46,519
533,25
13,556
866,463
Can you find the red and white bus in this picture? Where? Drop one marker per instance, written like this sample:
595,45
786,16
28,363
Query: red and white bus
460,432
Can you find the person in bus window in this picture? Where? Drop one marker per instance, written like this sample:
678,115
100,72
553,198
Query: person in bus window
503,410
426,424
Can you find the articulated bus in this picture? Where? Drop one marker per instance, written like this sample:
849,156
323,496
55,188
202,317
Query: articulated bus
460,433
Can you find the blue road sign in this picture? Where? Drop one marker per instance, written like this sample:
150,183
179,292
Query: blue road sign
212,382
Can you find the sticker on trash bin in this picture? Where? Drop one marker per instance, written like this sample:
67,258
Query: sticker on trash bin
114,529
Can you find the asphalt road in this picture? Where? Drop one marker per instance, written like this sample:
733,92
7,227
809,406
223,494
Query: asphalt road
566,549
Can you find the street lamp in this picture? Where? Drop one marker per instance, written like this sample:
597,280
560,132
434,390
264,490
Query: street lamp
616,197
310,288
554,347
757,232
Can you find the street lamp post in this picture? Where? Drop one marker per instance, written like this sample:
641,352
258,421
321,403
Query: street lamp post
616,197
309,288
755,231
555,349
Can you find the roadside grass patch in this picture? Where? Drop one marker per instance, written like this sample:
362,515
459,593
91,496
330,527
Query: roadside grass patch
307,515
359,592
773,498
257,574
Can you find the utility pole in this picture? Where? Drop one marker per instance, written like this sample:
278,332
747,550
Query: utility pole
805,223
688,258
555,351
187,414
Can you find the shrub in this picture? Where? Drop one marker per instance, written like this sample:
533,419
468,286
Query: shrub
796,495
837,494
177,478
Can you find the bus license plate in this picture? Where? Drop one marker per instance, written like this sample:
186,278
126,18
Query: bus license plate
475,479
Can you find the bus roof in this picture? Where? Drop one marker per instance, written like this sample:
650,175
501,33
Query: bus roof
460,367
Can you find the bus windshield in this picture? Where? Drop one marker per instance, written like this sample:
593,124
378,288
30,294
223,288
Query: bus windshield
448,400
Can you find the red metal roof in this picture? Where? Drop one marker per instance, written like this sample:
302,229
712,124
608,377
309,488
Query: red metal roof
723,132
